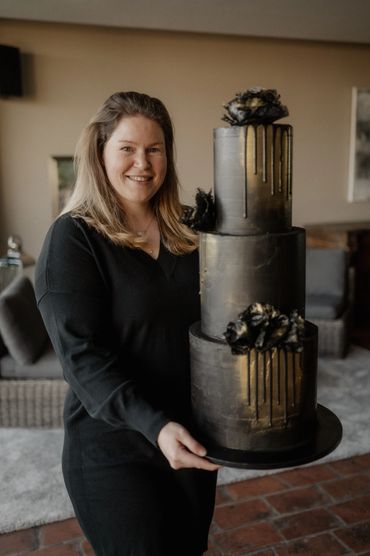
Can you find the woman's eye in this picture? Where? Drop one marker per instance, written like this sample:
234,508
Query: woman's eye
126,149
154,149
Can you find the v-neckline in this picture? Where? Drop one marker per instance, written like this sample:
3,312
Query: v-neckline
166,260
161,246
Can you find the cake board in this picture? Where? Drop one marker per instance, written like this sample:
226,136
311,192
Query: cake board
328,435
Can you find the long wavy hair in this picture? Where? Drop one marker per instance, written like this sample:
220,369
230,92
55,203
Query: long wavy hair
95,200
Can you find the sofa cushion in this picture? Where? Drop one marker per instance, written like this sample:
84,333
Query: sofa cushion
21,325
324,306
46,366
326,272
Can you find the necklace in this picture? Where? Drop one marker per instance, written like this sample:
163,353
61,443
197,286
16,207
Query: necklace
142,233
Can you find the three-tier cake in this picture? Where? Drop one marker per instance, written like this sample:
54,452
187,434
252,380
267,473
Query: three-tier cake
262,401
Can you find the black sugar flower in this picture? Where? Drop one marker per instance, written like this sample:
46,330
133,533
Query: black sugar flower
262,327
256,105
202,217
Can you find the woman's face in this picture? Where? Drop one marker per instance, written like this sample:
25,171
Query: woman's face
135,159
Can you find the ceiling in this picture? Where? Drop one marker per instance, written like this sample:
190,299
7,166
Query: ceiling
320,20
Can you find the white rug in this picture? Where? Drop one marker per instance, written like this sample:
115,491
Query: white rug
32,491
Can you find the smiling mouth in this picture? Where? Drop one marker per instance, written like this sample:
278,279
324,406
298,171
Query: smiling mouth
140,178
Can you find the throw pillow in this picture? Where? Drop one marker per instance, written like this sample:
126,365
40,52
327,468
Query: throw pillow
21,325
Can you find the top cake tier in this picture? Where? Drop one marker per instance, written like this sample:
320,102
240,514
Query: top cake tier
253,179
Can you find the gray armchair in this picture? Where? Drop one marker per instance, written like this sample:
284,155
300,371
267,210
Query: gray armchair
329,299
32,388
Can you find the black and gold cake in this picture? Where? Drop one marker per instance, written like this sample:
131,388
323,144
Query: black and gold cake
262,399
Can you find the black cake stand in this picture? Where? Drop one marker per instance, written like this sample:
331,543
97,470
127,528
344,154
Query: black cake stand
327,436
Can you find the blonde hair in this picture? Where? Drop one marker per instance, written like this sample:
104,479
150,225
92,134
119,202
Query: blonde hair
95,200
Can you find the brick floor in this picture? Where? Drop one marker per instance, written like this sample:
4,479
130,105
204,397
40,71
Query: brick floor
322,510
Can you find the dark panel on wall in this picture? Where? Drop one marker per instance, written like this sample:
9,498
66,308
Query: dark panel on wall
10,71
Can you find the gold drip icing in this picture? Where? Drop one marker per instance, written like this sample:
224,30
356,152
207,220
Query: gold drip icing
273,386
268,159
264,377
289,169
264,154
254,150
245,192
249,378
256,409
278,375
277,161
286,397
293,378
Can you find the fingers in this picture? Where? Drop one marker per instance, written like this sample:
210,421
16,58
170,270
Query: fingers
191,444
185,459
182,450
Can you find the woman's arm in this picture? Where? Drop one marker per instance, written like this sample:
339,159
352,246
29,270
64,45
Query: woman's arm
73,299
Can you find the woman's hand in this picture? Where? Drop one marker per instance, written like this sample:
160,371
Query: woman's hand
181,449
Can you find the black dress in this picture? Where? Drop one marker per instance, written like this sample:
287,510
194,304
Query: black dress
118,320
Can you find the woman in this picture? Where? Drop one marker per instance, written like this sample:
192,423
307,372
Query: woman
117,286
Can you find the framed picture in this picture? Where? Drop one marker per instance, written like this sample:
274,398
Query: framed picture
62,178
359,162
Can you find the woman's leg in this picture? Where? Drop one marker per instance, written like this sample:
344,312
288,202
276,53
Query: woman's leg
198,489
129,502
132,510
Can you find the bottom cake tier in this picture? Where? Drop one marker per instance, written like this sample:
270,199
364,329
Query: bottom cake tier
261,401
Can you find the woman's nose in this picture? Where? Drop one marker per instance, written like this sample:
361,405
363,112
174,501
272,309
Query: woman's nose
141,159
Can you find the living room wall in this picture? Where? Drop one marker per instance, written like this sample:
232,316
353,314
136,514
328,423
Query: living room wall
70,70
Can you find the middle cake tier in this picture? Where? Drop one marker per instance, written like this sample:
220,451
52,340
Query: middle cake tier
236,271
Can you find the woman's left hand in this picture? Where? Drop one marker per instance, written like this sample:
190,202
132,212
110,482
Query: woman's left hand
181,449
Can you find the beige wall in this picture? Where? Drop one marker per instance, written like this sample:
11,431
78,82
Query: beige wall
70,70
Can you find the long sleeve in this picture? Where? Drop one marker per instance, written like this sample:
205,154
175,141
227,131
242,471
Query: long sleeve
73,296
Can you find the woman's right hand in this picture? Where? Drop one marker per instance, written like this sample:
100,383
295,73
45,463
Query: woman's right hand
181,449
